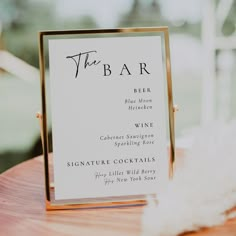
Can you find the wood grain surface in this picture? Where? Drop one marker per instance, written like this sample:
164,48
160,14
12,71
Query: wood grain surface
22,211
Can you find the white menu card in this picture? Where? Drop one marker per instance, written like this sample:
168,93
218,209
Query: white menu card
108,116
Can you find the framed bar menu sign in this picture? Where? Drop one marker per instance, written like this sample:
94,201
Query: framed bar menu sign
107,95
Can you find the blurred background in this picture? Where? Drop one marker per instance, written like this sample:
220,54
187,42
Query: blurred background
203,56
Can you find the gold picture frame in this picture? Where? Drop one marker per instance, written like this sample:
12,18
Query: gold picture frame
51,203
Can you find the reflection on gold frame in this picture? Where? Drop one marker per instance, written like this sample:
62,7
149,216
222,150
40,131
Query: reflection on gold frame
51,203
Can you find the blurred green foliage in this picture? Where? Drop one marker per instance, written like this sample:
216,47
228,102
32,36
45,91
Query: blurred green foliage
23,19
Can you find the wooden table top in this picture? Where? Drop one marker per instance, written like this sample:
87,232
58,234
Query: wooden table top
22,211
